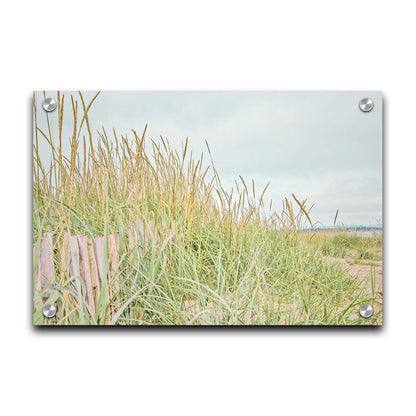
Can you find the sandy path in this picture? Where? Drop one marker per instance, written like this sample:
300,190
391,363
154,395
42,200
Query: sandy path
363,272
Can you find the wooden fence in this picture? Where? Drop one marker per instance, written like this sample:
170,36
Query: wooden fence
82,256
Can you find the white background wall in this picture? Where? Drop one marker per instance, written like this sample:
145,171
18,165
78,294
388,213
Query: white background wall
211,45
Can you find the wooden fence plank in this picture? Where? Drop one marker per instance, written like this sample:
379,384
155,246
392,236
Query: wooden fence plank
140,229
136,236
113,264
94,271
85,271
37,282
73,253
150,234
99,257
65,255
131,242
140,236
45,269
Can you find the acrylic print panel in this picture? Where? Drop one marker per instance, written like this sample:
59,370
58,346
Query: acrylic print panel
207,208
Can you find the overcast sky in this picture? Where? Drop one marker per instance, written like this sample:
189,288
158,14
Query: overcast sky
318,145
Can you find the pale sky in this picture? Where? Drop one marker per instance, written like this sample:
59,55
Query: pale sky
318,145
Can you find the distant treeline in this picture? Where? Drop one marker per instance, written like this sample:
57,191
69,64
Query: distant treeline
349,228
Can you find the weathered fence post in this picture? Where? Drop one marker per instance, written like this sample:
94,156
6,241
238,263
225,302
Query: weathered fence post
85,271
96,286
45,270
